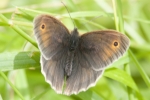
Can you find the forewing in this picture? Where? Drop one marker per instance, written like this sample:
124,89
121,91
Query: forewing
52,36
101,48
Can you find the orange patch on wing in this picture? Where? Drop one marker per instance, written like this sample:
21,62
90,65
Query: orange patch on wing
43,27
109,53
45,40
115,44
44,35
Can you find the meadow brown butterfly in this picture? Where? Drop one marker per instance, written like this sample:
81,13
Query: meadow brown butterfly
73,60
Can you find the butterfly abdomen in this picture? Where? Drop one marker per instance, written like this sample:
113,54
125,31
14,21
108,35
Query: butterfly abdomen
69,63
74,41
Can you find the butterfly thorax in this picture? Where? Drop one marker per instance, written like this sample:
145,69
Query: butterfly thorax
74,40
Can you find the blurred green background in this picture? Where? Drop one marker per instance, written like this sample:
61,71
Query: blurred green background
126,79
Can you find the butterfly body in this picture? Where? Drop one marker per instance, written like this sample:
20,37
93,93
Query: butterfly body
79,59
74,40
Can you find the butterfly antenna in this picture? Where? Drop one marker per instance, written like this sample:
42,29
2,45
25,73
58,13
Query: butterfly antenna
69,14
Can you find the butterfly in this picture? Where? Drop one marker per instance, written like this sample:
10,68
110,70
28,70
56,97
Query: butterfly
72,63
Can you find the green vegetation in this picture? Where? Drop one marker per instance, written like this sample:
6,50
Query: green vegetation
126,79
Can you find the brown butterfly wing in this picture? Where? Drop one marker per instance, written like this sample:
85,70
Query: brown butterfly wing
82,76
101,48
53,41
53,70
96,50
52,36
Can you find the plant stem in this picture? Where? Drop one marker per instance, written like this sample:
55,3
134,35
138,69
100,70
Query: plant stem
14,88
139,67
19,31
115,15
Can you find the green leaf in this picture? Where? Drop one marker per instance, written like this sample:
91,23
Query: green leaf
121,76
1,97
37,97
89,95
4,24
102,88
86,14
12,86
18,30
21,83
21,60
121,61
